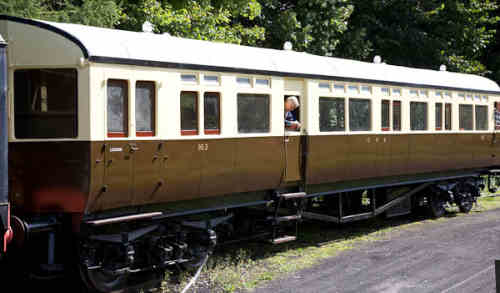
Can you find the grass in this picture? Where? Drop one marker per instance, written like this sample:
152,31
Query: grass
243,267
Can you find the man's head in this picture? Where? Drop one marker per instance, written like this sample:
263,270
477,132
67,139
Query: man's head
291,103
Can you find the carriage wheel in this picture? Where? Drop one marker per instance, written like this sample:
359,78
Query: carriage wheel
436,207
465,205
101,281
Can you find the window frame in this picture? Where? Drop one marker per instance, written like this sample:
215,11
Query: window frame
153,132
212,131
370,107
207,82
475,117
126,121
450,120
397,102
190,132
244,85
426,115
460,123
343,101
440,127
269,118
189,81
496,112
74,113
382,126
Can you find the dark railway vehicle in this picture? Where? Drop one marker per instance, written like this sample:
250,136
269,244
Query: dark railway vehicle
133,153
5,230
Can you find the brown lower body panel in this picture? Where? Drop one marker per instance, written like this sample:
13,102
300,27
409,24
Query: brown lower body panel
340,158
92,177
150,172
49,176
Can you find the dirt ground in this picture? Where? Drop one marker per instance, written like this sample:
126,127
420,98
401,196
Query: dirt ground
447,256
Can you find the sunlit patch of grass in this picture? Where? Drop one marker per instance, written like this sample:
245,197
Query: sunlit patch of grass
245,266
489,203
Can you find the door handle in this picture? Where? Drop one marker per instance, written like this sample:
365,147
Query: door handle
134,148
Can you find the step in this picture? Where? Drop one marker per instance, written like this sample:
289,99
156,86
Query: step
283,239
293,195
285,218
288,218
320,217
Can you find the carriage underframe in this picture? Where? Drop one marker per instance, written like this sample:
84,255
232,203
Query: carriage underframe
117,252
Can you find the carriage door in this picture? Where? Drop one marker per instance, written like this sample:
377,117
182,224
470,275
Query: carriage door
148,155
292,146
119,150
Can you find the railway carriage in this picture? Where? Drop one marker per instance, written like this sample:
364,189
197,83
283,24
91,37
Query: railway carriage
138,151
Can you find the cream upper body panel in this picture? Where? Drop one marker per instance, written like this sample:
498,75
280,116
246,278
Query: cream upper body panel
102,54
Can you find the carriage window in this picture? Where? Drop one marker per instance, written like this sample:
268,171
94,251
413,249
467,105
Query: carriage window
386,124
262,82
396,115
191,78
447,116
211,79
360,115
253,113
211,103
331,114
439,116
465,117
324,85
243,81
189,113
339,87
145,93
418,116
366,89
353,89
45,103
117,108
481,117
496,111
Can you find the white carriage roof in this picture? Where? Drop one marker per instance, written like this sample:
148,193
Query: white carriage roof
148,49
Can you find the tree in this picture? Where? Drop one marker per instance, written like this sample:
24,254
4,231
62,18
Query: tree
104,13
221,20
491,57
422,33
314,26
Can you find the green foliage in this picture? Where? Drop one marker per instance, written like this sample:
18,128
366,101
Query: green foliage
105,13
225,21
422,33
314,26
458,33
